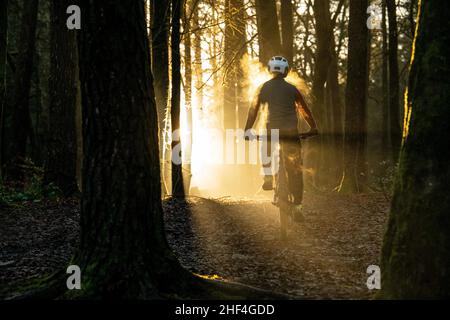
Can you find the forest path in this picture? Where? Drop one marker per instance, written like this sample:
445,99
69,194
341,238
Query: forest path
236,239
325,257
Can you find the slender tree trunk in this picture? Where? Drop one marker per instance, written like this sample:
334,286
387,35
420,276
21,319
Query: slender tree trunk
336,124
177,169
189,7
21,121
334,107
123,252
341,28
415,260
356,99
268,30
229,94
198,60
3,55
335,94
214,50
160,56
160,14
37,151
287,30
323,57
234,51
411,17
362,163
305,46
394,97
384,84
61,162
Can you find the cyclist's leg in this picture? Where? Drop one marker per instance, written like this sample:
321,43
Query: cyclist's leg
281,195
266,158
281,192
293,163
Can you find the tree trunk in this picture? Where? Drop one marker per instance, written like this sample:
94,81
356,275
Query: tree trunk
61,162
411,17
356,99
335,93
198,60
415,260
187,53
213,48
21,121
394,101
322,59
287,30
160,58
336,126
177,169
384,84
268,30
160,11
123,252
189,7
307,53
320,147
3,55
234,51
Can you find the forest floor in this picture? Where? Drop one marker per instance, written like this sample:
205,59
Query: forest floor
326,257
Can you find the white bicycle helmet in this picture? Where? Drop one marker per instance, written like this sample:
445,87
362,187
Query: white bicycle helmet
278,64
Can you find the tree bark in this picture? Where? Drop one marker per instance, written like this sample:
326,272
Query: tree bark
160,58
415,260
21,121
287,30
268,30
336,124
189,7
384,83
394,82
160,14
322,59
61,162
123,252
322,107
234,51
306,51
353,179
177,169
3,55
411,17
198,60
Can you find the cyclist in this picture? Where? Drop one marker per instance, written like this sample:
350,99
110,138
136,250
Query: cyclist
284,103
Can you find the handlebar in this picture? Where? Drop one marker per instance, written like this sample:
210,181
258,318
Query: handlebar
301,136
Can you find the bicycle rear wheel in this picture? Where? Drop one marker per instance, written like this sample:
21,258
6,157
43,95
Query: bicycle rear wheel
284,220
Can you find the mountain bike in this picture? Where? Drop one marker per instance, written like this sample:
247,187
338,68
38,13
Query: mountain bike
282,193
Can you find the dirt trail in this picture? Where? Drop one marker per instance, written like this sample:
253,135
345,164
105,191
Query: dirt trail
326,257
238,240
